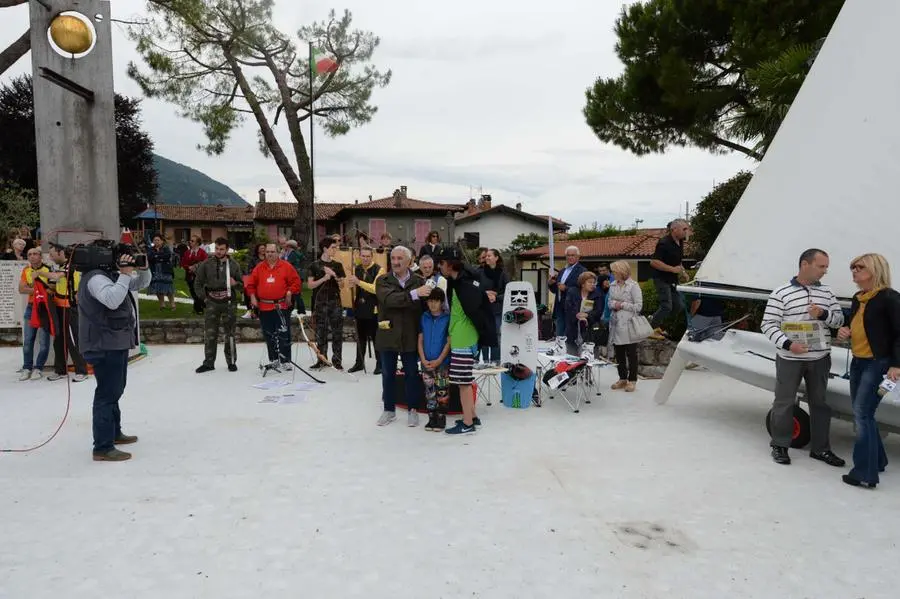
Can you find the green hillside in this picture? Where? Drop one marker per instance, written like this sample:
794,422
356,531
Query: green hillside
180,184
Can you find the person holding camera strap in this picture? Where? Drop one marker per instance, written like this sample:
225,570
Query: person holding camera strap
107,330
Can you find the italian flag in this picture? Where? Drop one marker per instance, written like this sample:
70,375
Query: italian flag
320,63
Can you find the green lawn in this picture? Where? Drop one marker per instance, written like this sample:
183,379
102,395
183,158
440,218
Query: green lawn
150,308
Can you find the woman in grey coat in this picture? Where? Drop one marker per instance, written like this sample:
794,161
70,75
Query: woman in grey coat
625,302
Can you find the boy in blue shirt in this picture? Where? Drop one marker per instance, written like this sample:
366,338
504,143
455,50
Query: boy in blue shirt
434,353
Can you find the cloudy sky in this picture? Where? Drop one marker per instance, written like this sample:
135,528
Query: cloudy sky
486,95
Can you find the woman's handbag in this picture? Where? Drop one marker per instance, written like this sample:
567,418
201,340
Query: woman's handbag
639,328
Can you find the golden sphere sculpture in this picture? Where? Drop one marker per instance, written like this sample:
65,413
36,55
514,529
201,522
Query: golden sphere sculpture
71,34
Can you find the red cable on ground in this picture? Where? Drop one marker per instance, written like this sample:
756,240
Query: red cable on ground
65,331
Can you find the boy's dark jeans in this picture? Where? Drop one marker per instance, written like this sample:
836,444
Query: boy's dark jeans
111,372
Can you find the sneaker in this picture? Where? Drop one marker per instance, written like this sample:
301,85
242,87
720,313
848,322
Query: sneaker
36,375
386,418
55,377
618,385
232,368
460,429
476,421
780,455
247,315
629,387
204,368
317,366
412,419
79,378
26,374
285,367
337,366
112,455
440,423
828,457
356,368
123,439
429,426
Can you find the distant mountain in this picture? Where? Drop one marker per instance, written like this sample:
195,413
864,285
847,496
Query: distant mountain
180,184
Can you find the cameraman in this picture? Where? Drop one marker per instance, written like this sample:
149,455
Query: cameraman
107,331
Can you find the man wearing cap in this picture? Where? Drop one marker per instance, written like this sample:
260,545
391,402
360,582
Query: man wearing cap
471,325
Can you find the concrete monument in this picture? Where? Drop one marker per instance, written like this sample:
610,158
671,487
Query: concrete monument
74,119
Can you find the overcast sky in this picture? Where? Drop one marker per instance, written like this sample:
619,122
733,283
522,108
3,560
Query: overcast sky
485,95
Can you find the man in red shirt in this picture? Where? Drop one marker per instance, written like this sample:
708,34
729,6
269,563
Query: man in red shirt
272,286
193,258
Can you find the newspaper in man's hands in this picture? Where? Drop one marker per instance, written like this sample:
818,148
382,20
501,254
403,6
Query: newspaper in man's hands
587,305
812,333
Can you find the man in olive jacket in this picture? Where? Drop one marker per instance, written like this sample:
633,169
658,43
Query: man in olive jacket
217,281
399,312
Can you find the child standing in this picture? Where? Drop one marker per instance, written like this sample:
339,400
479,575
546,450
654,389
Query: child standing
434,353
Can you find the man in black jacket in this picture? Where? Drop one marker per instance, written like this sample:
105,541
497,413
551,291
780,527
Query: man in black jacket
365,307
471,325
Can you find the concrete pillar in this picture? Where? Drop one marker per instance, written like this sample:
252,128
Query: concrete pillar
76,137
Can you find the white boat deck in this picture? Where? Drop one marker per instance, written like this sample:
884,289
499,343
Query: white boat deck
229,497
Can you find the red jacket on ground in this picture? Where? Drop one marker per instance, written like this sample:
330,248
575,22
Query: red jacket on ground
271,283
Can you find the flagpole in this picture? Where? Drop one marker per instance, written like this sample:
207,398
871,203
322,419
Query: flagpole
312,160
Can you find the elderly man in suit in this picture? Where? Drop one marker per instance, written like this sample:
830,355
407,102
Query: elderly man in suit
560,282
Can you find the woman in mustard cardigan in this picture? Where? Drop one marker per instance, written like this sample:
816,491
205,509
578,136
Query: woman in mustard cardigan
874,334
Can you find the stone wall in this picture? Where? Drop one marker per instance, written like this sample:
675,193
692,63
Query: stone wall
652,355
11,336
190,330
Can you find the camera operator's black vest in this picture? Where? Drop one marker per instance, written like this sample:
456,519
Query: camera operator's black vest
102,329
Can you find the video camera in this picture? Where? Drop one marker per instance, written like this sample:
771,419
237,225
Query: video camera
103,254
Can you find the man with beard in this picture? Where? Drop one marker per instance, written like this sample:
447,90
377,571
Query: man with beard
218,280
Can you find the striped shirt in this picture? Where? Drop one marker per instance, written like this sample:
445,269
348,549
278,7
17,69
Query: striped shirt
790,303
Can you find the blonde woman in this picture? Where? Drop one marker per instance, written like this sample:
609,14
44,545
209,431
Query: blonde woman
874,334
625,302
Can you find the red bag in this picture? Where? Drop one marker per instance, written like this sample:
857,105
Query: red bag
41,316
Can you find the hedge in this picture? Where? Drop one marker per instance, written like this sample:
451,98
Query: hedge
676,323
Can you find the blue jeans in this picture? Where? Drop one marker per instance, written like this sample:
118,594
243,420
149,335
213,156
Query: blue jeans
412,388
869,457
28,336
111,372
560,320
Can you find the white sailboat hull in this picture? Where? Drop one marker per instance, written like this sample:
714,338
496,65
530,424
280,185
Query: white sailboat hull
750,358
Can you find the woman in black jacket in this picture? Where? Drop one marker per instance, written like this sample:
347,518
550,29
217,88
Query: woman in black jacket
584,308
874,334
496,275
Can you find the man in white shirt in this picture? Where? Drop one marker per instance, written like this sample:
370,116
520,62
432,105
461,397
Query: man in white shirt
803,299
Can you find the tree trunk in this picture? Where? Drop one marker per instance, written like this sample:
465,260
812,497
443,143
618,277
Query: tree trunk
15,51
299,187
305,221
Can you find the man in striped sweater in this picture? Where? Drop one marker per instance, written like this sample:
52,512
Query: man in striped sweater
803,299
